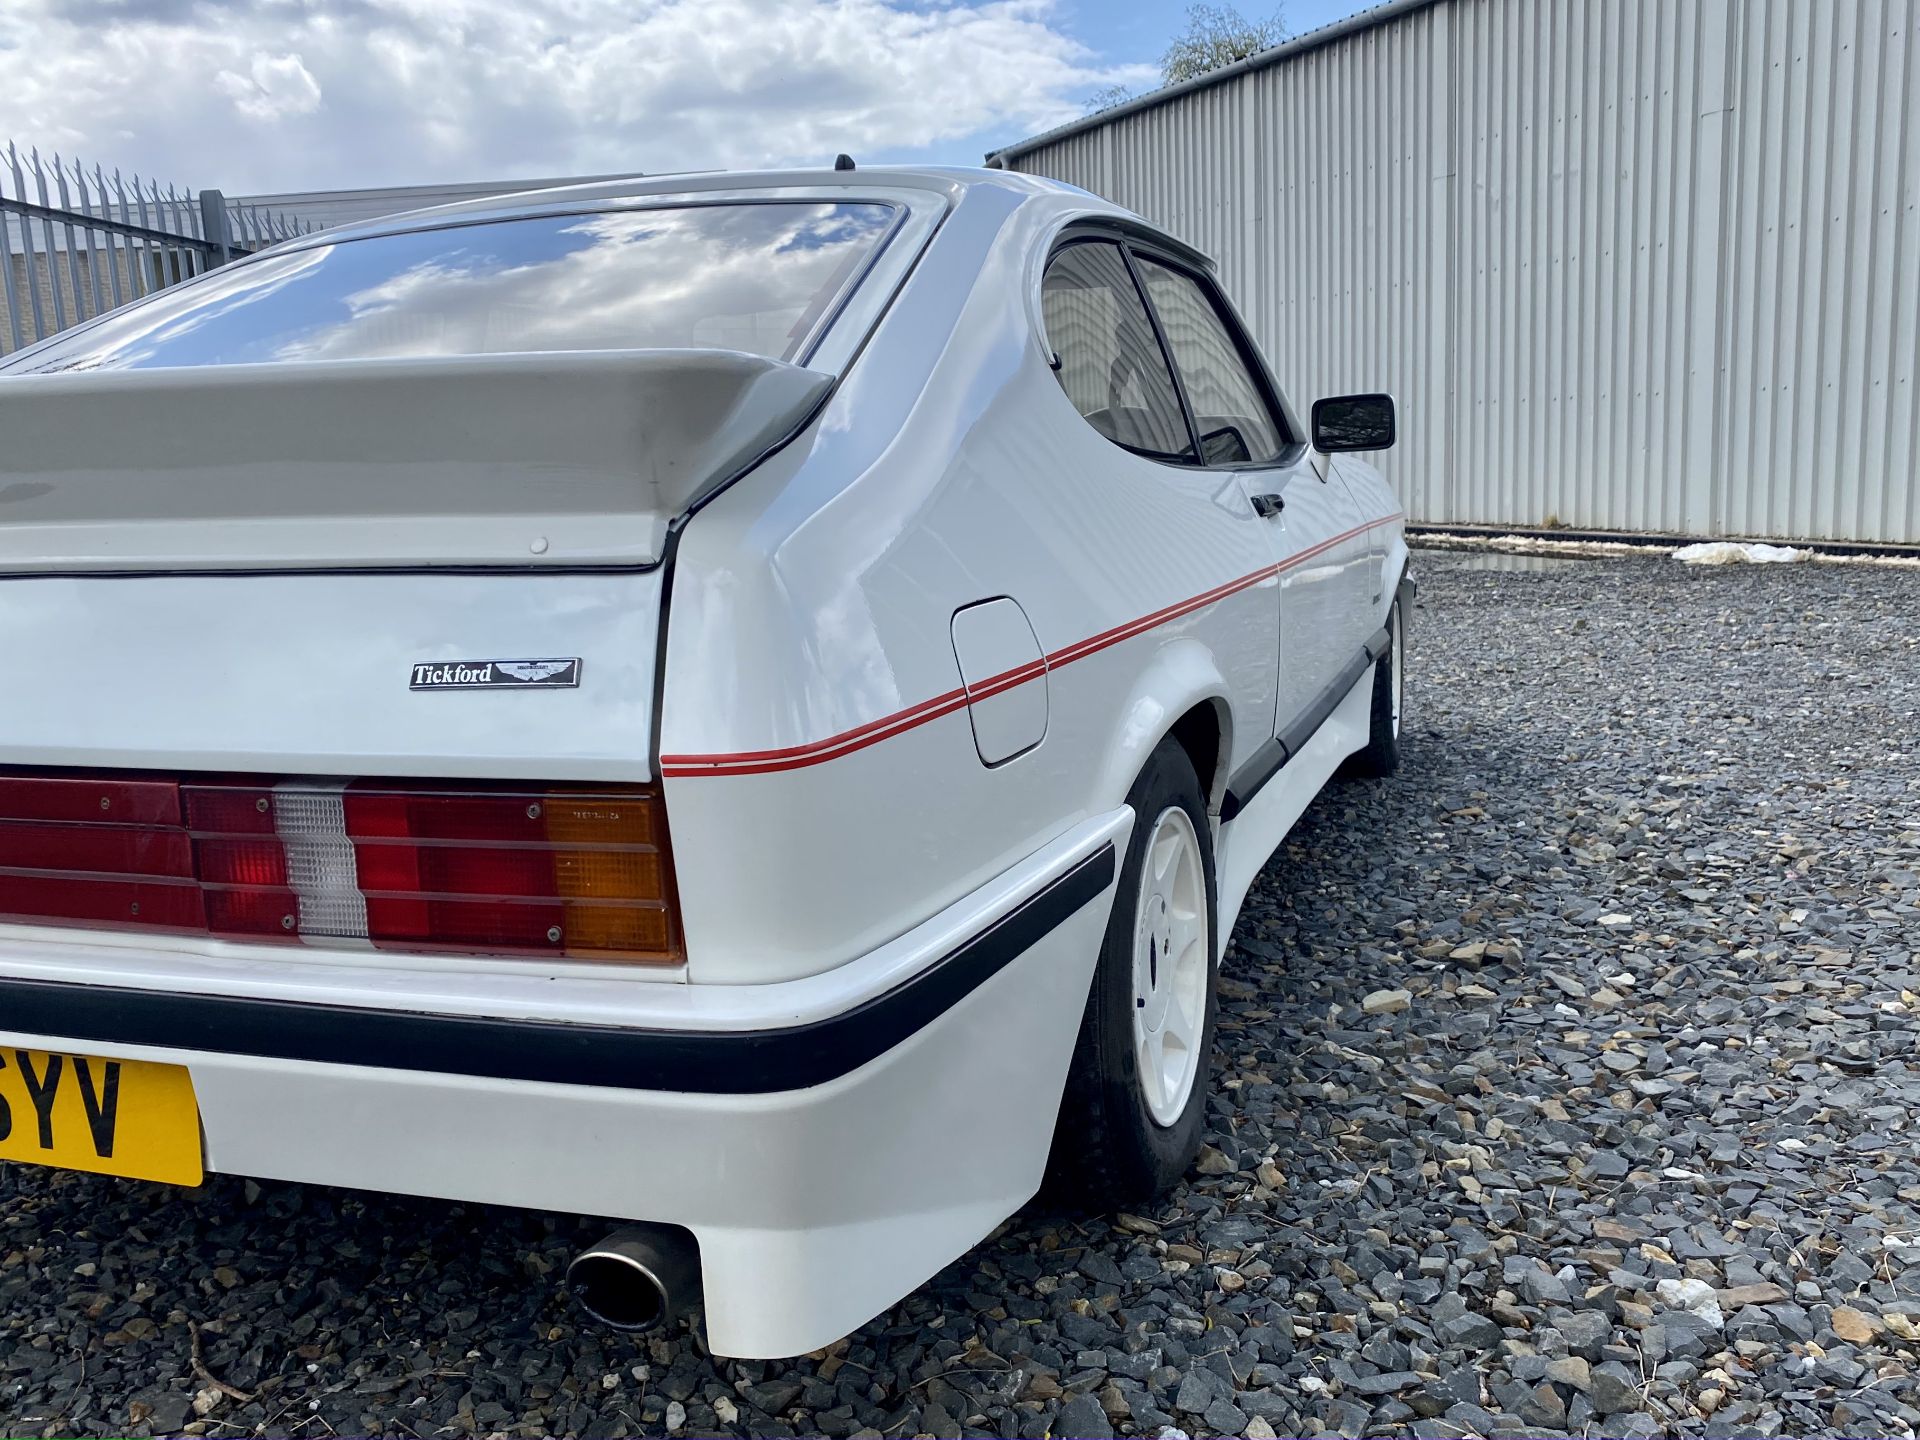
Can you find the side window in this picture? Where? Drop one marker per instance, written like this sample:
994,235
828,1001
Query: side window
1236,424
1111,364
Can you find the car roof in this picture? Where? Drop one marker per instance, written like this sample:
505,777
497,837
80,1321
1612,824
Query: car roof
949,182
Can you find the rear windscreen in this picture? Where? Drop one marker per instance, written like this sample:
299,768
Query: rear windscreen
757,277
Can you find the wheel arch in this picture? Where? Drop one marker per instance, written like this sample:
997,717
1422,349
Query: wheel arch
1203,732
1182,695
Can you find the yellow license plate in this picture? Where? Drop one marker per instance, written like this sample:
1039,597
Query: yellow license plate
112,1117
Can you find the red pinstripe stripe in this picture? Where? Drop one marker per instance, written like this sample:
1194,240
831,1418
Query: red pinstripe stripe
795,757
926,709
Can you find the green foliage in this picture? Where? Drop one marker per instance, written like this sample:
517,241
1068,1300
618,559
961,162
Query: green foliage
1107,98
1218,35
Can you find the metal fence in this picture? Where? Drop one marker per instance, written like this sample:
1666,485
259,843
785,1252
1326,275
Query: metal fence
74,245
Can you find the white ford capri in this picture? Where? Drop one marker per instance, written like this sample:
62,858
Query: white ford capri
703,701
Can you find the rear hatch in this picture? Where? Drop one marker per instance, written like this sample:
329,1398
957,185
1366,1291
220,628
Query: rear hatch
225,590
331,582
295,514
316,568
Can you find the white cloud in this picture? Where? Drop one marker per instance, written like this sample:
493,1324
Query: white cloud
289,94
275,86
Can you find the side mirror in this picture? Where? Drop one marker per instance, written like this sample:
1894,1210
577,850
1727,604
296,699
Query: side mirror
1353,422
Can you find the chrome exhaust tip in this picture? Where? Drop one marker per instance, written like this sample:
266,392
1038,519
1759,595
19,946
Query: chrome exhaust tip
638,1278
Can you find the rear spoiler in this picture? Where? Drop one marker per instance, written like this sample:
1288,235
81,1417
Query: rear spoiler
540,461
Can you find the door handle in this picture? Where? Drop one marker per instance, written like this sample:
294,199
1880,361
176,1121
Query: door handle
1268,506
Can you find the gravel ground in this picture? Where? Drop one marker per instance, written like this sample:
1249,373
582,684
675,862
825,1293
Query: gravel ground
1566,1085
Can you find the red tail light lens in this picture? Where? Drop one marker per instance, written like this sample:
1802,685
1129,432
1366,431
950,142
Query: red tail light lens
87,801
101,900
78,850
575,871
581,872
95,849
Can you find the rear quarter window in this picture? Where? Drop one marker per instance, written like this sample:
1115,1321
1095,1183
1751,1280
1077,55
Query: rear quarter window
1106,354
759,277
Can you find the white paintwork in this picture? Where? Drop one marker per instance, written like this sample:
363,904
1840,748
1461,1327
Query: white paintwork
811,1208
829,576
819,738
1320,626
1256,833
993,639
308,674
526,460
1172,957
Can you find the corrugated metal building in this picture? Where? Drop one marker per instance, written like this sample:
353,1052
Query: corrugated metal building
1642,265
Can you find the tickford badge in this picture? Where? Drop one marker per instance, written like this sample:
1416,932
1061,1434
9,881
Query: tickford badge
491,674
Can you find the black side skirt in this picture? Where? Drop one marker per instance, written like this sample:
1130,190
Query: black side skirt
1271,758
709,1062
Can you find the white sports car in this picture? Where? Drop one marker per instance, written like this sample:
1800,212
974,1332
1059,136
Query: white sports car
747,704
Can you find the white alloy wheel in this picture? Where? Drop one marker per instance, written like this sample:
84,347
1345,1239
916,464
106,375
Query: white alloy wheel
1398,655
1133,1112
1170,966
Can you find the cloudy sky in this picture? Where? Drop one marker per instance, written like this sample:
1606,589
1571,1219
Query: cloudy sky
264,95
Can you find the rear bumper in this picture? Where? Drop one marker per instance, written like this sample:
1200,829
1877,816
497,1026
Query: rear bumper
807,1133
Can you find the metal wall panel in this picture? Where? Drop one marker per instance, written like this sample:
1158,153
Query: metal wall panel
1627,264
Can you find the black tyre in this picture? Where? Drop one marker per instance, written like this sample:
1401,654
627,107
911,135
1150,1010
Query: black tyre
1382,755
1135,1103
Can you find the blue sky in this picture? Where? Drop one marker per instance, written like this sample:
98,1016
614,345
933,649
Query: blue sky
277,95
1141,30
1136,29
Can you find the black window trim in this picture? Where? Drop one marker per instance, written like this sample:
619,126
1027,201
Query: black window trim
1293,443
1100,235
1199,461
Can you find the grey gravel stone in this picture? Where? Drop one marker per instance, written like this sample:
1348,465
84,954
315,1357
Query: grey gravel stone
1584,1332
1604,1165
1614,1388
773,1396
1345,1418
1570,1370
170,1412
1223,1418
1469,1332
1390,1383
1542,1407
1687,1336
1198,1390
1439,1395
1083,1419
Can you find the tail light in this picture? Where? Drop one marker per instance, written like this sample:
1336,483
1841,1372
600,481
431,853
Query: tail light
582,872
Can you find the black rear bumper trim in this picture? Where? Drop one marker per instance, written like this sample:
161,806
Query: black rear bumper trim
712,1062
